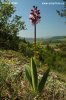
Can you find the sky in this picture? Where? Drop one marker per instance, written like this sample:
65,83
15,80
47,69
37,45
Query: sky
51,23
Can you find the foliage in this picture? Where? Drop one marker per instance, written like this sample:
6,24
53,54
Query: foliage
4,70
52,54
13,85
54,89
62,13
32,77
26,48
10,25
11,74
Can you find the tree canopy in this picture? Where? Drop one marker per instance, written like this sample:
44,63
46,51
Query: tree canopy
10,24
62,13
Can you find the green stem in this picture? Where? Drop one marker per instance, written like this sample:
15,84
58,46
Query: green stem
35,36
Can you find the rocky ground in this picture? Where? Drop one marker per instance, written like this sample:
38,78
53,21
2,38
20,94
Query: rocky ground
14,86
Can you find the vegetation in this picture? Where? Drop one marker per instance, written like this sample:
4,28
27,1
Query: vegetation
35,18
10,25
13,84
32,77
62,13
15,54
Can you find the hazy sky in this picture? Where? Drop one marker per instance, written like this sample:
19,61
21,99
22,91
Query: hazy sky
51,24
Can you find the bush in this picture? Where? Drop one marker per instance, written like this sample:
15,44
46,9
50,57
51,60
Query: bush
26,49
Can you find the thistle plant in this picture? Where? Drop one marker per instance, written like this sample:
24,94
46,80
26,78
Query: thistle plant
32,76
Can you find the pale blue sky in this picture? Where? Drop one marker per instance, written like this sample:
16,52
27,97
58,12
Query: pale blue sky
51,24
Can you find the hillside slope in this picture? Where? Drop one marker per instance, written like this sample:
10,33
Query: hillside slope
12,71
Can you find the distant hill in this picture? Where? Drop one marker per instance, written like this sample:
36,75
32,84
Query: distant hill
32,39
55,38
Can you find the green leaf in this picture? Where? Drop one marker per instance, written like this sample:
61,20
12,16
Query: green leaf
34,75
43,80
28,75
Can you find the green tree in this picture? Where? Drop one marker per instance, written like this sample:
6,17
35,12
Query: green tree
10,24
62,13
